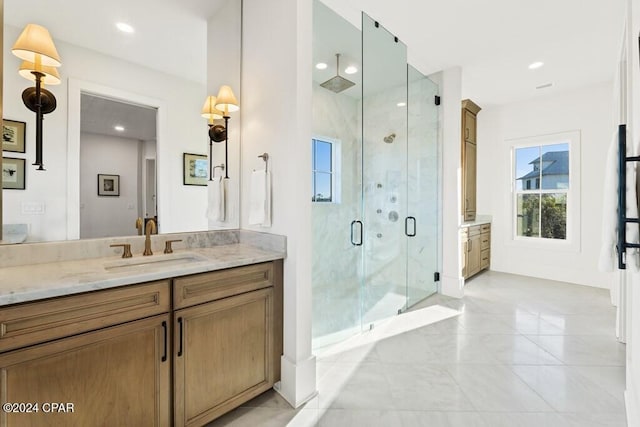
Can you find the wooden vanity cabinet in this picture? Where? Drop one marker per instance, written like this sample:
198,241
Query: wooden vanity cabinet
469,158
104,374
174,352
476,244
228,340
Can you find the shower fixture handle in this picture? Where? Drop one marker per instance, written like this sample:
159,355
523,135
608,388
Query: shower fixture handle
406,226
359,242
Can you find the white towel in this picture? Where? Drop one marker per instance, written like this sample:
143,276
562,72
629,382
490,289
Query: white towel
608,254
260,199
216,199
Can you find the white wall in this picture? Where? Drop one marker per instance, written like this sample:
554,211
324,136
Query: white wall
276,118
587,110
450,82
104,216
184,206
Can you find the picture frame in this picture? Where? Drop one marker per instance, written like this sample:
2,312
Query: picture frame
13,173
13,136
195,168
108,185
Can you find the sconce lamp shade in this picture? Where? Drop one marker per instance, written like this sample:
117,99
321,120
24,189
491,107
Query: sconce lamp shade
35,45
51,76
226,100
209,110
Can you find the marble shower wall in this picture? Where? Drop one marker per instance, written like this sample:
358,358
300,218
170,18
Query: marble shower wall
336,262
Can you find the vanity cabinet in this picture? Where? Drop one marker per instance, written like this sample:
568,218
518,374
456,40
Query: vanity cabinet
111,368
476,246
469,159
228,342
180,351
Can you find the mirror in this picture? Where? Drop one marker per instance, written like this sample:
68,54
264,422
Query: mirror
175,57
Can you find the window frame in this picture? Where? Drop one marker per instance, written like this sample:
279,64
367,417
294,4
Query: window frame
572,240
336,167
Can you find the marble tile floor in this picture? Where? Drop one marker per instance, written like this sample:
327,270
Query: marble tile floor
515,351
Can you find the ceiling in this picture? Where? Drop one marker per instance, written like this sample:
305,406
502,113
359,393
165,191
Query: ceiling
494,41
101,115
170,35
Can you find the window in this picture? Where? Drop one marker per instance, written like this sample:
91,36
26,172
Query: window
543,189
325,159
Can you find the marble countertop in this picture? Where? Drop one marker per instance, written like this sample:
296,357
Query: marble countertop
39,281
480,219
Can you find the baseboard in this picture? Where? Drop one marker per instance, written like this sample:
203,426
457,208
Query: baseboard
298,383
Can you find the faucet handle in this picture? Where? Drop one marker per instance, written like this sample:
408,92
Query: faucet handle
127,249
167,246
139,226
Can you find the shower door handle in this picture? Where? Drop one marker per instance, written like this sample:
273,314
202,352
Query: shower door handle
406,226
353,242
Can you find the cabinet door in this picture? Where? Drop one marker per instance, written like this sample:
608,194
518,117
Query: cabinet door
118,376
222,355
469,127
473,259
469,193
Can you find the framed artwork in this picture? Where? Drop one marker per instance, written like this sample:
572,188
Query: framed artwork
13,136
195,169
108,185
13,173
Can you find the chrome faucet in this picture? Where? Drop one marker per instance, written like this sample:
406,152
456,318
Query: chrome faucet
150,228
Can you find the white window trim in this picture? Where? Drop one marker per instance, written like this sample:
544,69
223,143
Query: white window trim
336,169
572,242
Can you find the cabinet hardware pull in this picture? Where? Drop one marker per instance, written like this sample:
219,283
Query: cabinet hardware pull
180,344
164,328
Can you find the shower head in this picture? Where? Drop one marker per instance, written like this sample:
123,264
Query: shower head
337,83
389,138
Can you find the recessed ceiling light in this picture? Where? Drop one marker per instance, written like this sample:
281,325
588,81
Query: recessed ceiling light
536,65
401,104
544,86
119,128
351,69
321,66
125,28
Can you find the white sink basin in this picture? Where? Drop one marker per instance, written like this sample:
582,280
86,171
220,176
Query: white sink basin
154,261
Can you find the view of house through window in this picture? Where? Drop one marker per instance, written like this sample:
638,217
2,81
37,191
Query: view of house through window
541,190
323,171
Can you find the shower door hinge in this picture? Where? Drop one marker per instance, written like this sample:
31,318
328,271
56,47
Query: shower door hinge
436,276
437,100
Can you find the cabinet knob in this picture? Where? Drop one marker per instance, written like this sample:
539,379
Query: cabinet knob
127,249
167,246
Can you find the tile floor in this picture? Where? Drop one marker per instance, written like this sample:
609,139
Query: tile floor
515,351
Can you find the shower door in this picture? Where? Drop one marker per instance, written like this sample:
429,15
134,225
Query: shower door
384,155
422,187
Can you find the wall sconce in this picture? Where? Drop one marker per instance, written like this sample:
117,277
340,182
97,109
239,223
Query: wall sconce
226,102
219,108
35,47
217,133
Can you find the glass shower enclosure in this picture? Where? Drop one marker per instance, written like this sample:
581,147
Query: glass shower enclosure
375,173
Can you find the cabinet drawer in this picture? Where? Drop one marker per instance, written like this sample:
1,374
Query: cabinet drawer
485,258
485,228
485,241
26,324
474,231
200,288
